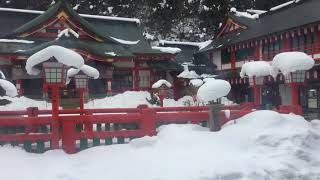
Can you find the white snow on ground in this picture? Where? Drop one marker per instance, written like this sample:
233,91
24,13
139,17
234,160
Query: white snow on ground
16,41
170,50
122,41
288,62
213,90
62,55
22,103
262,145
9,88
255,68
161,82
2,76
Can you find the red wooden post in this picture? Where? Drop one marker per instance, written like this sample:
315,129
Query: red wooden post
32,112
68,137
286,44
148,123
257,91
294,95
82,99
88,126
55,115
233,59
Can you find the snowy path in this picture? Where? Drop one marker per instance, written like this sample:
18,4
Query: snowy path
262,145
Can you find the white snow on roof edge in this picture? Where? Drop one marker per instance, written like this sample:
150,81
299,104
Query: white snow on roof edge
201,45
135,20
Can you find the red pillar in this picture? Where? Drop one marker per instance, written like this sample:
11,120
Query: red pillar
295,95
82,91
68,137
286,44
233,59
55,115
257,91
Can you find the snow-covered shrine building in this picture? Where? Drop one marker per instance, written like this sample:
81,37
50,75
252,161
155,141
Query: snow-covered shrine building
114,46
243,37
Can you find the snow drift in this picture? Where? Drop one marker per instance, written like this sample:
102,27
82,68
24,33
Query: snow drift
262,145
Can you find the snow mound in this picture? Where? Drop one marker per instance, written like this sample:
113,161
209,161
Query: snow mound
255,68
61,54
262,145
128,99
213,90
288,62
9,88
161,82
22,103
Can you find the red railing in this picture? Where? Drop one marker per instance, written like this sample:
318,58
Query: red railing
36,129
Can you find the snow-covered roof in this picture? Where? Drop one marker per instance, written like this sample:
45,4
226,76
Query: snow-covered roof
63,55
87,70
9,88
213,90
125,41
82,15
201,45
244,14
282,5
255,68
290,62
196,82
161,82
16,41
208,76
256,11
170,50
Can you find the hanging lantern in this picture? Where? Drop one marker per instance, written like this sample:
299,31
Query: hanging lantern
296,77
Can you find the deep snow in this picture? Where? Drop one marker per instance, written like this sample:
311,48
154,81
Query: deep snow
262,145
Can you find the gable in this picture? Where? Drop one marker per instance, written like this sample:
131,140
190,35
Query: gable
230,26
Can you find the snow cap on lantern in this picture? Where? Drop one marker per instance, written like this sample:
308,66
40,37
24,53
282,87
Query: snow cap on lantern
289,62
62,55
160,83
213,90
255,68
87,70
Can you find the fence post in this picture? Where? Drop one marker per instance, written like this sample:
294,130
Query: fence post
68,137
32,112
214,117
148,121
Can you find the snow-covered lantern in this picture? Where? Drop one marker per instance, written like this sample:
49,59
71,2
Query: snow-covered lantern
55,73
293,65
162,87
296,77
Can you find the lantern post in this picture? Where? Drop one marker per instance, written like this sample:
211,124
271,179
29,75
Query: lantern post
256,83
81,84
54,74
163,91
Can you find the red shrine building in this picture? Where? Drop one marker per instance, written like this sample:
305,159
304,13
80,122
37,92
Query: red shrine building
243,38
116,47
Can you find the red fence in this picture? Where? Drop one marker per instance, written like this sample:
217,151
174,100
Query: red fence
36,130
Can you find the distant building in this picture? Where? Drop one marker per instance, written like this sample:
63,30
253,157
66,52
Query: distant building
242,38
115,46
